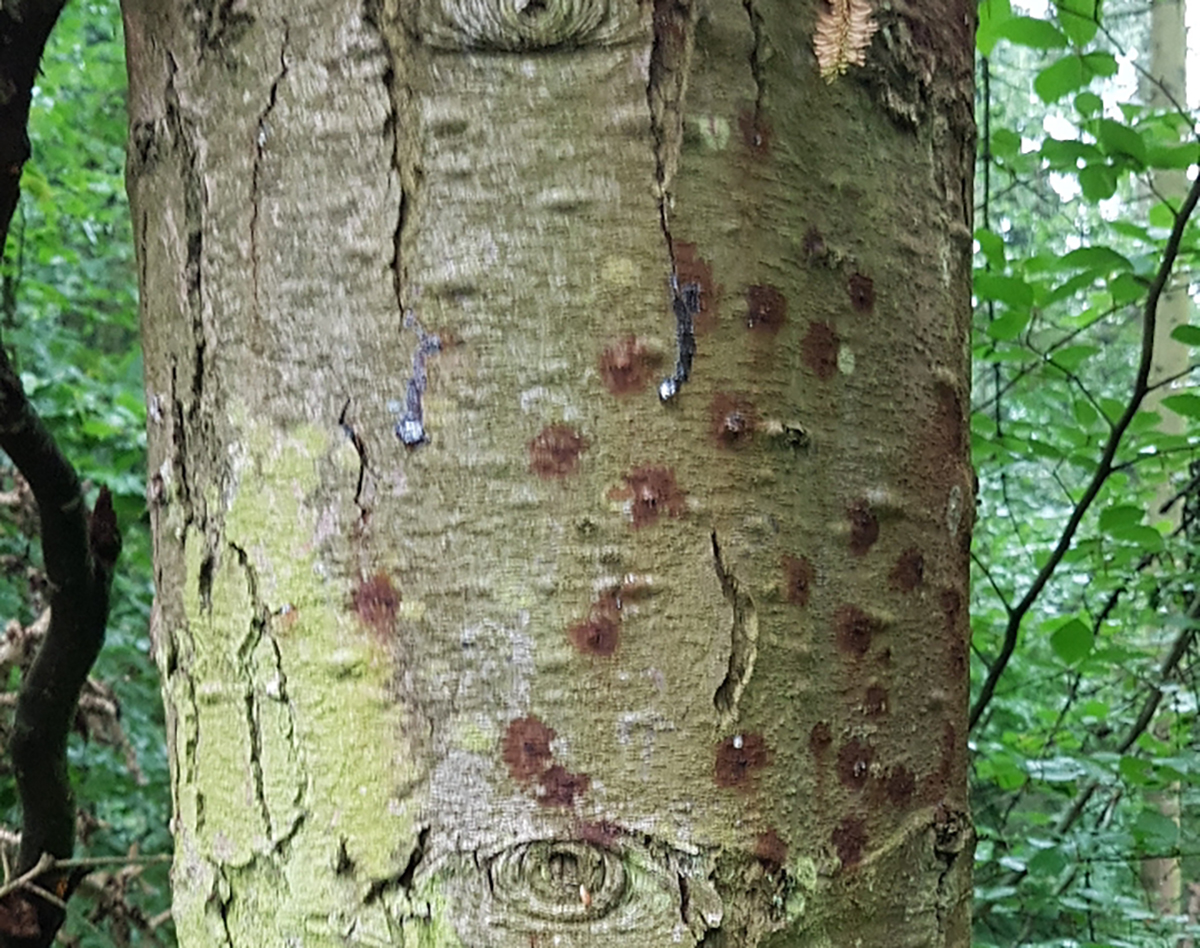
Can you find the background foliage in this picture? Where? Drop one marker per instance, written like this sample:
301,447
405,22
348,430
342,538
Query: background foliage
68,310
1092,725
1090,650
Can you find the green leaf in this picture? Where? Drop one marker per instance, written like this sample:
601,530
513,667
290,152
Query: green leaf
1147,538
1013,291
1118,139
1006,143
1032,32
1008,327
1098,182
1184,404
1088,103
1173,156
991,245
1120,515
1071,357
1059,78
1067,153
1125,288
1072,641
1188,335
992,13
1080,19
1084,413
1101,64
1098,258
1047,862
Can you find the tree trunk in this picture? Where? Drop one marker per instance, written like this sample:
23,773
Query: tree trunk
489,615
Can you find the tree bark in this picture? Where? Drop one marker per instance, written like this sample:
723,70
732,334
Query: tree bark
558,470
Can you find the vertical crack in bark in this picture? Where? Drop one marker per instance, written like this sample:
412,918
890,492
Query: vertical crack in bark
743,641
245,657
262,133
756,57
363,467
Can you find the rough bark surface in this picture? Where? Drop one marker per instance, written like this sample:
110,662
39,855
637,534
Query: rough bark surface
558,469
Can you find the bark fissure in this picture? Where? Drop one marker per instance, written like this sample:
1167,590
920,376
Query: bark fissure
743,641
360,449
756,57
245,655
262,134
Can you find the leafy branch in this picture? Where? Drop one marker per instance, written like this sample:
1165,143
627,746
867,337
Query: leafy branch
1105,467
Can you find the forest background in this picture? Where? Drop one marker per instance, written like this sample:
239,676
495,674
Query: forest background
1085,606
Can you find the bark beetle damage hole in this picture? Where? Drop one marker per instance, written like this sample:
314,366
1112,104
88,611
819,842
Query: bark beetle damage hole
864,527
900,785
600,633
909,570
739,758
555,451
854,629
627,365
854,764
756,132
692,269
526,752
766,309
861,290
819,350
820,738
771,850
376,603
651,491
849,838
813,246
798,576
733,419
876,701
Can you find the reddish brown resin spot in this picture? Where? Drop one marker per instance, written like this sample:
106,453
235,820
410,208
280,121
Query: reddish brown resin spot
854,629
849,838
600,833
526,748
555,451
798,575
559,787
691,268
909,570
756,132
861,290
876,701
864,527
854,764
820,738
771,850
732,419
739,758
376,602
627,366
600,633
653,492
766,309
819,350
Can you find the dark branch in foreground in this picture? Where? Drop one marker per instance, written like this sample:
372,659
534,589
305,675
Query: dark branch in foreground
1140,387
79,551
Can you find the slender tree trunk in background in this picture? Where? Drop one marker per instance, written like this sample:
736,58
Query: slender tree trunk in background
1162,877
575,665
